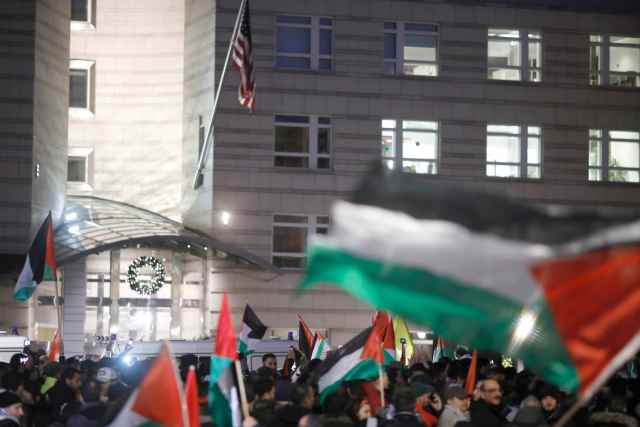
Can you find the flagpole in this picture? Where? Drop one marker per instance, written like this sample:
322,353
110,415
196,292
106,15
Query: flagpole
209,136
241,390
570,413
381,385
58,315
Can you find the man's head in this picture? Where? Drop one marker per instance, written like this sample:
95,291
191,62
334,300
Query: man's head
265,388
72,378
458,398
491,392
13,381
423,392
549,397
269,360
10,403
303,395
404,399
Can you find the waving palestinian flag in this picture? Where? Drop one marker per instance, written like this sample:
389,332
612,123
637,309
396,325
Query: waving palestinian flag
559,291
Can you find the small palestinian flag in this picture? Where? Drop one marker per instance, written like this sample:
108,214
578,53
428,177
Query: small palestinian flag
158,400
252,331
350,362
320,347
383,325
223,390
556,289
40,263
305,338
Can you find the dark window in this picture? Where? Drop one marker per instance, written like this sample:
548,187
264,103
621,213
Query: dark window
77,169
80,10
78,88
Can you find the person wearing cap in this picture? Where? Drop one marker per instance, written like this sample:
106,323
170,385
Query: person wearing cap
10,409
457,407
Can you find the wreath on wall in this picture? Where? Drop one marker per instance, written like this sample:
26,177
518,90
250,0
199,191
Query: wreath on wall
147,265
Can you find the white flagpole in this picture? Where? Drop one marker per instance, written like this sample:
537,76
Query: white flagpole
209,134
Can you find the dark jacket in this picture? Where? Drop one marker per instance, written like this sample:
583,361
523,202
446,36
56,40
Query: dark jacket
485,415
288,416
58,396
403,419
263,412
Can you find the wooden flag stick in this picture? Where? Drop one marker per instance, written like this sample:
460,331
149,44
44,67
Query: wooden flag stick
570,413
381,384
241,390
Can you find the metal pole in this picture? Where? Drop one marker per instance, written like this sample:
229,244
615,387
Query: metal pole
209,135
59,315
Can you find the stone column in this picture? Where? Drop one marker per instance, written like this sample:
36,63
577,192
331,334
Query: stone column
114,292
204,302
176,271
75,306
99,315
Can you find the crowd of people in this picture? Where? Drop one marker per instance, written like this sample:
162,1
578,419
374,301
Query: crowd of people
73,393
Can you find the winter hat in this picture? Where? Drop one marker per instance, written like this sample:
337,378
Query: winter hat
421,388
8,398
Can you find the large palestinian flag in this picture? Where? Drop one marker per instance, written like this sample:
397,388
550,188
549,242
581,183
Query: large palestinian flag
350,362
40,263
559,291
223,390
158,400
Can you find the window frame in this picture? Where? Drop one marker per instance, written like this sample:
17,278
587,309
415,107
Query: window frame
89,23
314,54
87,154
603,72
525,40
88,111
311,225
314,126
604,168
400,33
398,158
523,164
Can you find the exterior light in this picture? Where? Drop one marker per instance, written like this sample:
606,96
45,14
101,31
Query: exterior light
71,216
225,218
422,335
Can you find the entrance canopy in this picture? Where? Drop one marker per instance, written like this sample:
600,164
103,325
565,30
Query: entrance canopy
92,225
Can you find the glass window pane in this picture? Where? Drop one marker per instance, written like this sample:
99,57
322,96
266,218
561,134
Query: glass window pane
595,133
76,169
289,262
503,171
429,28
628,79
533,172
535,75
292,139
411,124
503,149
625,40
324,163
419,167
533,150
390,68
595,174
513,130
324,120
389,164
419,145
389,46
326,22
624,154
388,124
324,141
502,32
303,20
594,65
325,42
595,153
533,130
504,53
297,219
388,143
78,94
292,162
504,74
535,35
291,62
293,40
418,69
324,64
419,48
595,39
289,239
291,119
624,59
80,10
535,55
389,25
623,176
622,134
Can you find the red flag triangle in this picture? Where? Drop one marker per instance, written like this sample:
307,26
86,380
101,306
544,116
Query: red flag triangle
226,337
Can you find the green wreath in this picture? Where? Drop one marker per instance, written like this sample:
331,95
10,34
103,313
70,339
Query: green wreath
147,287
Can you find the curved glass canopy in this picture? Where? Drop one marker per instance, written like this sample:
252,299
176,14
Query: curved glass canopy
91,225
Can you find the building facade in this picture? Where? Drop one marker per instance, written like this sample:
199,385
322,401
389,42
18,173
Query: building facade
537,99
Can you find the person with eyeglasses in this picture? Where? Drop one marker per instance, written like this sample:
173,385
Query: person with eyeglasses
487,410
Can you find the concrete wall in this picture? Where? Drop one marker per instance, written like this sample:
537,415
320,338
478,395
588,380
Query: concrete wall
136,131
357,95
33,115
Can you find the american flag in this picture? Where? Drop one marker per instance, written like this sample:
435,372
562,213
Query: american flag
243,62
